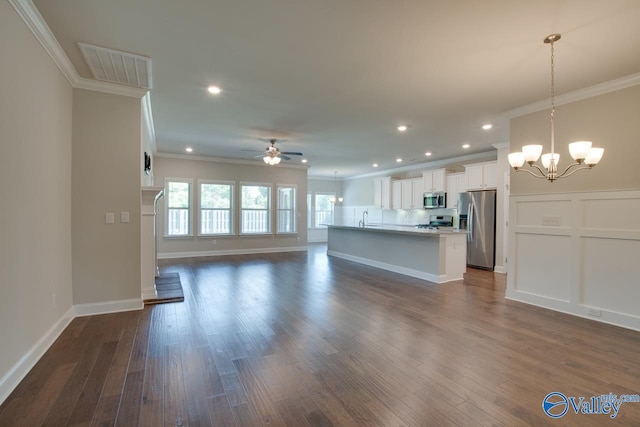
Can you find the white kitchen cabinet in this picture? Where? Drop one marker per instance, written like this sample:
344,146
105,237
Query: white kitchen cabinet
434,180
407,194
481,176
396,195
382,192
456,184
418,193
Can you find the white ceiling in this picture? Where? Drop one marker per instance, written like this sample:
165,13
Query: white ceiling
335,77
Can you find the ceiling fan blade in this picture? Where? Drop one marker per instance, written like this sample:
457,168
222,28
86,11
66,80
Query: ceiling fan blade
292,153
272,140
285,157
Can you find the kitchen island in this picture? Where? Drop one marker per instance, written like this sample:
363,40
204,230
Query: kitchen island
433,255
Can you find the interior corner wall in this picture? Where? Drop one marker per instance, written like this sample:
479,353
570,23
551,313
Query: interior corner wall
146,146
574,243
197,169
105,178
35,217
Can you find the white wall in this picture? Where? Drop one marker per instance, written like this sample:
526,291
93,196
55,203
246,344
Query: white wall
106,178
195,169
574,243
35,171
147,142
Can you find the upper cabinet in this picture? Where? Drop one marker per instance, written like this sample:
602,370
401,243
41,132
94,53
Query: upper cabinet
418,193
382,192
456,184
482,176
396,195
434,180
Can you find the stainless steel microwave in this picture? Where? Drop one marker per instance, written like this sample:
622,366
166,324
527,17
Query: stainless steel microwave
435,200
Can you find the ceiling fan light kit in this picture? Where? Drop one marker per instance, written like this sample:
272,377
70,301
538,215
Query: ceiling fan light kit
273,156
582,152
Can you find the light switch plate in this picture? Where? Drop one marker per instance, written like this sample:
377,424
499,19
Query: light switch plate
124,217
109,218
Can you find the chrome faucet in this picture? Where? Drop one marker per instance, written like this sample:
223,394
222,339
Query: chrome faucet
362,222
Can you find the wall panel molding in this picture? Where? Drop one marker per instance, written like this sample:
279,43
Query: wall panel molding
601,274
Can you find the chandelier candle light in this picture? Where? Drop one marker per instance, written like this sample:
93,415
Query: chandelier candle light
582,152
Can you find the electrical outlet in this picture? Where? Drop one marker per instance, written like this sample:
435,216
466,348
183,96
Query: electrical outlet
124,217
109,218
552,221
594,312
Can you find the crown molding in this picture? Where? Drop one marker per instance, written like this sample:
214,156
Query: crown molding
227,160
485,155
41,31
107,87
578,95
500,145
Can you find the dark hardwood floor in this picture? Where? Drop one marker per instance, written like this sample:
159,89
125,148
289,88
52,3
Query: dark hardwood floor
300,339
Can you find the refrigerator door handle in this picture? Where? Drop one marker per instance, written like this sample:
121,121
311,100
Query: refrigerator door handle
469,222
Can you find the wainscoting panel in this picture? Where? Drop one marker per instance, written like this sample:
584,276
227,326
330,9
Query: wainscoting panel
577,253
550,275
610,274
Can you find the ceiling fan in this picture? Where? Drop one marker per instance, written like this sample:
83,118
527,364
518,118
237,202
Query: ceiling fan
272,155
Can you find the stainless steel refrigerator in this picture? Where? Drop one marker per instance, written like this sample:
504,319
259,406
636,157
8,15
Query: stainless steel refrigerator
477,213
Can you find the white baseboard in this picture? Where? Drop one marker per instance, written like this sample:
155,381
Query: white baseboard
108,307
22,367
197,254
149,293
320,240
390,267
500,269
608,317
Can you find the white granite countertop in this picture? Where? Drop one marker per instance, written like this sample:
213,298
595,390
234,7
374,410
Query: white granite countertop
398,229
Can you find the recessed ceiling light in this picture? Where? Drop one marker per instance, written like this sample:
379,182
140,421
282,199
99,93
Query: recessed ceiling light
466,146
304,160
214,90
402,128
399,160
428,153
487,126
188,149
375,165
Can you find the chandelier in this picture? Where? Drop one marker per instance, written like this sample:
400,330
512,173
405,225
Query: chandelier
333,199
585,156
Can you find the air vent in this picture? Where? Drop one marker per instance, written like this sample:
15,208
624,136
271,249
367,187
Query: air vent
117,67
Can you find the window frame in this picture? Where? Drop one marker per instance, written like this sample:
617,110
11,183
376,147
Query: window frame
189,233
231,208
293,210
315,210
241,209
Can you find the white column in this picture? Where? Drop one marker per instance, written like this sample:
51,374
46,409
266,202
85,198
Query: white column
148,196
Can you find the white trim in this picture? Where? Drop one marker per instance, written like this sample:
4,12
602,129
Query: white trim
147,114
501,145
41,31
500,269
317,240
391,267
608,317
427,166
149,293
198,254
94,308
578,95
21,368
228,160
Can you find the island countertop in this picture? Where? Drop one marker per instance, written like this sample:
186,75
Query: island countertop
398,229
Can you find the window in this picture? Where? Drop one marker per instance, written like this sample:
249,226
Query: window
286,220
216,208
255,208
323,209
178,207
